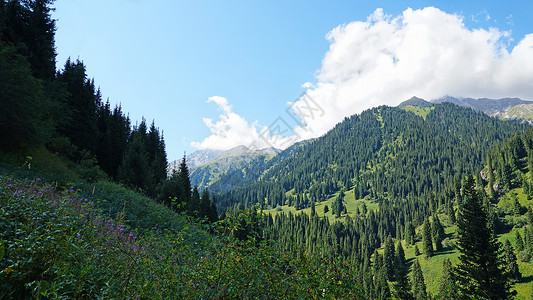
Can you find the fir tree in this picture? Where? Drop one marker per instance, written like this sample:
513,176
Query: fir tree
418,283
447,289
510,265
417,251
388,258
427,243
402,290
519,241
437,232
326,209
479,272
184,183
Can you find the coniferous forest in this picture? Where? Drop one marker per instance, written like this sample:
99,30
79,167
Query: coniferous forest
430,202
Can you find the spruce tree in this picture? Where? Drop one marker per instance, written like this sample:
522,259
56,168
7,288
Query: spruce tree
437,232
519,241
510,265
479,272
418,283
184,183
427,243
447,289
388,258
417,251
402,289
194,204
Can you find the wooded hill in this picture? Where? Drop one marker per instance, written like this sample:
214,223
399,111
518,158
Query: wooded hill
383,153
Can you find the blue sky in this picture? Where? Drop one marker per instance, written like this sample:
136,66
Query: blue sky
239,63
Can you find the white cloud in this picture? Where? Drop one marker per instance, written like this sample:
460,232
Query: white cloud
426,53
387,59
231,130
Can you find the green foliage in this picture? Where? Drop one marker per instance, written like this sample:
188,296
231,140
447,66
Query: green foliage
427,243
23,111
510,267
57,245
417,281
480,270
448,288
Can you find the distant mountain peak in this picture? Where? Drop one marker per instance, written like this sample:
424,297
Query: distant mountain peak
415,101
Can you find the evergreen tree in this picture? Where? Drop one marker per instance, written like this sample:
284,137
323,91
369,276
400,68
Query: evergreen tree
417,251
437,232
402,289
519,241
409,233
447,289
326,209
479,272
185,184
510,265
313,210
205,205
213,213
418,283
194,204
134,166
389,258
427,244
21,98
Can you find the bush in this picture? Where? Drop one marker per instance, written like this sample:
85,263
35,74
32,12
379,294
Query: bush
524,256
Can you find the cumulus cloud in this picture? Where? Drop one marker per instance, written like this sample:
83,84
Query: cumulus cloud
425,53
387,59
231,130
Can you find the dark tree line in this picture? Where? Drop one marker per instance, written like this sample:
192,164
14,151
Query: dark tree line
63,109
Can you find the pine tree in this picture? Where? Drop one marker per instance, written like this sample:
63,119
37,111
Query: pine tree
205,205
448,289
134,166
213,213
427,243
417,251
479,272
519,241
418,283
388,258
194,204
184,183
402,289
409,233
510,265
437,232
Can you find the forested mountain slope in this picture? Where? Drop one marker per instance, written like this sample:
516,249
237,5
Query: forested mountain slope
233,160
385,152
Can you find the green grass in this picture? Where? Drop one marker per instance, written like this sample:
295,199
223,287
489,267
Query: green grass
419,111
349,201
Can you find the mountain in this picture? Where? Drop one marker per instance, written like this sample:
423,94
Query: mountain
518,112
492,107
205,174
383,153
415,101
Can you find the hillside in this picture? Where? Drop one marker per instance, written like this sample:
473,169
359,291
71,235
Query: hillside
382,153
491,107
206,174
